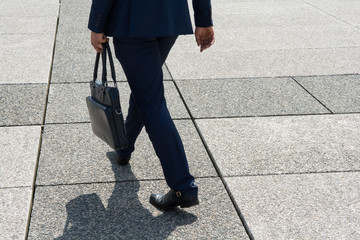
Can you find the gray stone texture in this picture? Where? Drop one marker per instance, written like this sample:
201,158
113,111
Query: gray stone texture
277,145
18,155
247,97
271,38
341,94
14,207
28,25
263,63
122,211
347,11
28,59
75,9
73,154
293,177
260,36
25,8
22,104
306,206
74,60
67,103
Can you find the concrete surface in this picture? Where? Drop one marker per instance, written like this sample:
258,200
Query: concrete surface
269,117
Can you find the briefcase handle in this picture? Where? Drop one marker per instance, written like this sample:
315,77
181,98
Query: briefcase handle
106,48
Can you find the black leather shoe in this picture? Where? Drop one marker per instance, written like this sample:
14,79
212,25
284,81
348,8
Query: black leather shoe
173,199
123,160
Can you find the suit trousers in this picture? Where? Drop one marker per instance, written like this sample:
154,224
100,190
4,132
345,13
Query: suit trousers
142,60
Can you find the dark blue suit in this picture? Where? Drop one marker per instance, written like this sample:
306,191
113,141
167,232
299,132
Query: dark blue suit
144,32
147,18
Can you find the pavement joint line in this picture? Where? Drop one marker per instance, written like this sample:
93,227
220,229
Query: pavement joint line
267,77
198,79
313,96
22,125
42,129
121,181
83,82
14,187
217,169
90,79
328,13
86,122
280,115
21,84
26,34
195,118
288,174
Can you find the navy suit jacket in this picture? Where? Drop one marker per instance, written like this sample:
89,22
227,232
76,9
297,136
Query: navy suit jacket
147,18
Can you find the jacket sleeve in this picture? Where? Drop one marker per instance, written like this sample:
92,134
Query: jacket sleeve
202,10
98,15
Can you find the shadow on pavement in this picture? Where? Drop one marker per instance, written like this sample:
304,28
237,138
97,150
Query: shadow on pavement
124,218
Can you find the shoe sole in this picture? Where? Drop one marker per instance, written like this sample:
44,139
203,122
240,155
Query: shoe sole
190,204
183,205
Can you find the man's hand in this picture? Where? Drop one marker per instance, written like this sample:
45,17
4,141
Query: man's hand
205,37
97,39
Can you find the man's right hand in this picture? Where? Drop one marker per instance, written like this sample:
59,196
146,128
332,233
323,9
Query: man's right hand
97,39
205,37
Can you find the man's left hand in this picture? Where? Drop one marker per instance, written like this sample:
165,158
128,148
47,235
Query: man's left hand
97,39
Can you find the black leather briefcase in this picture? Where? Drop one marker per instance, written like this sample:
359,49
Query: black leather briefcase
107,121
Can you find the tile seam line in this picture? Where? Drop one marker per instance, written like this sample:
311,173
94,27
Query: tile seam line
212,159
15,187
85,82
278,49
312,95
22,125
86,122
328,13
28,34
196,79
290,174
116,181
42,127
266,77
199,118
68,123
273,116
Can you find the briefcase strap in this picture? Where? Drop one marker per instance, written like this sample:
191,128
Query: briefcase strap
106,48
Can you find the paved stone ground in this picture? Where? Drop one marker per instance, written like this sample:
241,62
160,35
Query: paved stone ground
269,116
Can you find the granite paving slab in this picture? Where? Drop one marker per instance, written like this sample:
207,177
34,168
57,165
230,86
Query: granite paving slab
247,97
270,38
74,60
306,206
307,17
22,104
75,9
73,154
261,7
18,156
28,59
28,25
79,45
25,8
67,103
340,94
14,206
278,145
347,11
122,211
213,64
67,25
73,67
